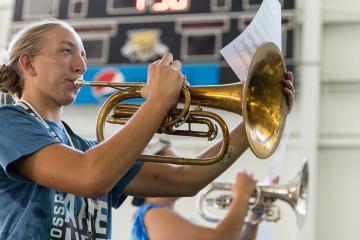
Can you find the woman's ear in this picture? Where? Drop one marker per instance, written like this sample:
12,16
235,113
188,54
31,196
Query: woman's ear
26,64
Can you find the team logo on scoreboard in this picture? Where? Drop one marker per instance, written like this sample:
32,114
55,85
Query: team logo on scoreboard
143,45
106,75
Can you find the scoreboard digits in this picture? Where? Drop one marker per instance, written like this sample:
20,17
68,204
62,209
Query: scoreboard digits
163,5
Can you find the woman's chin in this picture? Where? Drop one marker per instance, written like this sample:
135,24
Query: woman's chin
69,99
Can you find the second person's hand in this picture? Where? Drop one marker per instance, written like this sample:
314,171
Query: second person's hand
244,185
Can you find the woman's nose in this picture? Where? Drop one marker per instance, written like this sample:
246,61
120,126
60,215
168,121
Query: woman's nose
79,64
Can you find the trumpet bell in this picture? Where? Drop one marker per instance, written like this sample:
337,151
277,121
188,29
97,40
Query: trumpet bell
260,100
264,103
302,196
294,193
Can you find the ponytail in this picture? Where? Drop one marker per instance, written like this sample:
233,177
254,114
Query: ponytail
10,81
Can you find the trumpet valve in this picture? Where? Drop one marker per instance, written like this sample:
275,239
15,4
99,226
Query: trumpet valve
220,202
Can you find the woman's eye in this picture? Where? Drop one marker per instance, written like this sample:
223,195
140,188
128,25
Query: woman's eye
67,50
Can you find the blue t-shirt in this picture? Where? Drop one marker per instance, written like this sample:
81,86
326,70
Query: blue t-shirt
31,211
138,231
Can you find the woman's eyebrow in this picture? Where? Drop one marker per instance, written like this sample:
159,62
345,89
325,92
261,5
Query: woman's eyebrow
67,42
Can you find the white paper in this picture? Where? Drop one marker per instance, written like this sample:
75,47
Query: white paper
277,160
265,27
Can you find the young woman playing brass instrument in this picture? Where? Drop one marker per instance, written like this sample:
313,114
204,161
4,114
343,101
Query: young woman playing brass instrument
57,185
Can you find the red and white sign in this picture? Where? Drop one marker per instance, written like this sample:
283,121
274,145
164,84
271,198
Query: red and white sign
107,75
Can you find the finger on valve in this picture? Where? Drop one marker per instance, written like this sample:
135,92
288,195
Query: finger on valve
167,59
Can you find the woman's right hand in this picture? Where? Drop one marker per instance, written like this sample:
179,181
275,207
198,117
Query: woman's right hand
164,81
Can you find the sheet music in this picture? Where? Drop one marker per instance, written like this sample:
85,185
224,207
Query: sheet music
265,27
277,160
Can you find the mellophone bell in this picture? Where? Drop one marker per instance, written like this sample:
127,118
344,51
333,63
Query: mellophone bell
260,100
294,193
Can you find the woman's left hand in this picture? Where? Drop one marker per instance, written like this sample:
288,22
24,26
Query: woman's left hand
289,89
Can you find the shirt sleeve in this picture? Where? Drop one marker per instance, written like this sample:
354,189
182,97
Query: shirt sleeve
117,193
20,135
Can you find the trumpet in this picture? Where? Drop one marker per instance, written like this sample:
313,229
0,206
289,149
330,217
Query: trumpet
294,193
260,100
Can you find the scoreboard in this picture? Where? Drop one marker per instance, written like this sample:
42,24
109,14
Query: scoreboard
122,36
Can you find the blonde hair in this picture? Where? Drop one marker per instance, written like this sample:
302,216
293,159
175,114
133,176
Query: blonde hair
26,41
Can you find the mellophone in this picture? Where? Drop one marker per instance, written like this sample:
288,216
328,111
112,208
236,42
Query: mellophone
260,100
294,193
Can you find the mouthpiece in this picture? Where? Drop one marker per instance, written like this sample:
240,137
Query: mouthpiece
78,83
